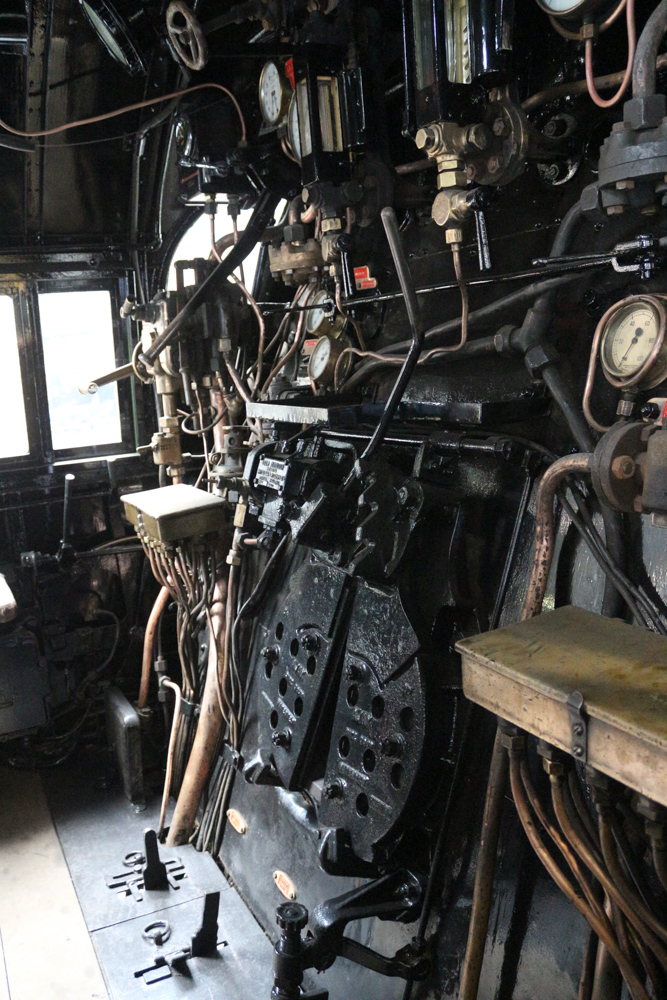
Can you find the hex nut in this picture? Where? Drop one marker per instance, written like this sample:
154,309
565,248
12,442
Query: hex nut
452,178
454,236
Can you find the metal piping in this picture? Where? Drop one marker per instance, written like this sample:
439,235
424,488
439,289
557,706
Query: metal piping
544,527
161,602
390,224
209,730
646,53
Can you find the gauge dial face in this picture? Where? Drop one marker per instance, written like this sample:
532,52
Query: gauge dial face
629,339
562,8
316,317
271,93
293,127
320,358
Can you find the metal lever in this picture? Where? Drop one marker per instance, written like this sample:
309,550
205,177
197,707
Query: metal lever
155,871
115,376
483,249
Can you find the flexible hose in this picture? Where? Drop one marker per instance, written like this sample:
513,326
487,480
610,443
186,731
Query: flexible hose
646,54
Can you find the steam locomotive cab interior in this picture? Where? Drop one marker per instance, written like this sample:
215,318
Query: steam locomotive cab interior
333,496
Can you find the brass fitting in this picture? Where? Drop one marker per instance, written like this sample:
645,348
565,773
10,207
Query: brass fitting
454,236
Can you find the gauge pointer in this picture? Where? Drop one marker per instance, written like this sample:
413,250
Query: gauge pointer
638,333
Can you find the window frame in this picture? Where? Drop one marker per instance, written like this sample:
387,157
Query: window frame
25,294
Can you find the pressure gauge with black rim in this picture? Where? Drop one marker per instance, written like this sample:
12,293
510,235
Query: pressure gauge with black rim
274,93
633,350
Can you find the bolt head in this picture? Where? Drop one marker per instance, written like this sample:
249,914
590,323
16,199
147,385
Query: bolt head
498,127
623,467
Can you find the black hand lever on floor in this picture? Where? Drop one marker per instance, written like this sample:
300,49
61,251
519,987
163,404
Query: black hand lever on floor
205,941
155,871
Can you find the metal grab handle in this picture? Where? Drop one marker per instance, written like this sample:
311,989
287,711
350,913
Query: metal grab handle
115,376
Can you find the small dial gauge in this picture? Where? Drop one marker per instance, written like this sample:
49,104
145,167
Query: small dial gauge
629,339
324,359
320,319
567,8
293,133
273,93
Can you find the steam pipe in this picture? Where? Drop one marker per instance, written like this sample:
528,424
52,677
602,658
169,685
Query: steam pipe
209,731
646,54
486,861
544,527
390,224
161,602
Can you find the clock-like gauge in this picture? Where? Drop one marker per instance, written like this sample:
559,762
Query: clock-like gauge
274,93
633,349
320,320
293,134
324,359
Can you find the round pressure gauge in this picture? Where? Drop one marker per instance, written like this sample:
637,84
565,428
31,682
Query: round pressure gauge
293,133
569,9
319,320
274,93
633,351
324,359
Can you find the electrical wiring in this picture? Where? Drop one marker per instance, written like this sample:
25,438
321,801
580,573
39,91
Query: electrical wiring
130,107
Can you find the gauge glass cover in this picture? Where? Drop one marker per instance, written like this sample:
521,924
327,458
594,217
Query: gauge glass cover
271,93
629,339
316,317
319,359
561,7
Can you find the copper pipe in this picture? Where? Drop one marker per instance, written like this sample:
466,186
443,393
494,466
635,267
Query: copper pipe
170,753
580,805
636,988
608,846
608,981
560,90
544,527
161,602
296,344
486,862
608,883
350,319
659,852
209,730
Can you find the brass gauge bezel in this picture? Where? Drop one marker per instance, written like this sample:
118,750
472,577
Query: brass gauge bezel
285,93
332,371
653,369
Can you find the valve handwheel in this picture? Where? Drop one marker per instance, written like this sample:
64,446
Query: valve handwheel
186,35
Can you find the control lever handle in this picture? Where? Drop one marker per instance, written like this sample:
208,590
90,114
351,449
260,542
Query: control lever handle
115,376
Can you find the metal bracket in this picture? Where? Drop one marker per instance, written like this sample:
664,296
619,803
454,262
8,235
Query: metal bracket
578,726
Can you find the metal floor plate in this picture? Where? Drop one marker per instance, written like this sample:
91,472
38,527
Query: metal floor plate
97,828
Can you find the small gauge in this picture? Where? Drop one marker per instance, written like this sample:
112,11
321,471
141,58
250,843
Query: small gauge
568,9
320,320
324,359
274,93
632,340
293,133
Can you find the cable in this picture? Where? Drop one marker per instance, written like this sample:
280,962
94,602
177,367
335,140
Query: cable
131,107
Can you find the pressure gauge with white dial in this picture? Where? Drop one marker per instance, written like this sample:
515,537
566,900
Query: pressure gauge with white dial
323,366
570,9
319,320
633,349
274,93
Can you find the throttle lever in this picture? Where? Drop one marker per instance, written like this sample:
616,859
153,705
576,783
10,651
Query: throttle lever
115,376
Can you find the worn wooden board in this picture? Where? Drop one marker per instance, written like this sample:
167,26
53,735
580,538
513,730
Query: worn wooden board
525,672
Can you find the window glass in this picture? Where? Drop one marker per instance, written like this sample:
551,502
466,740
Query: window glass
77,338
13,429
